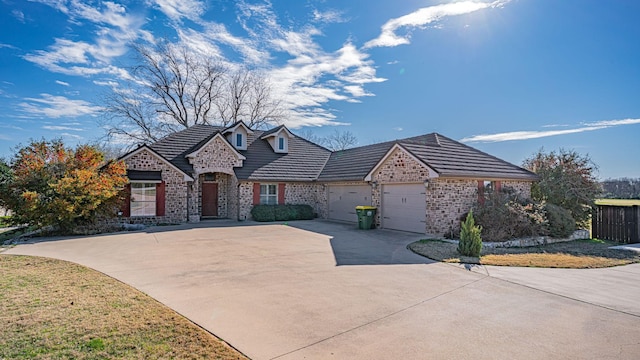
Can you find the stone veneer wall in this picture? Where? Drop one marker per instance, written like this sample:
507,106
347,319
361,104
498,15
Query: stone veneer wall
447,201
175,187
521,187
216,157
400,167
245,203
224,195
312,194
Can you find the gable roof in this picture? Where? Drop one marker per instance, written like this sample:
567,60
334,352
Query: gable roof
235,125
307,161
210,139
446,157
275,131
177,146
144,147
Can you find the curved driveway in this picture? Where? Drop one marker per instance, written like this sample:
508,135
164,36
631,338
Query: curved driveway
321,290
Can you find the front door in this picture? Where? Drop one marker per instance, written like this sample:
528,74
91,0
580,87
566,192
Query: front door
209,199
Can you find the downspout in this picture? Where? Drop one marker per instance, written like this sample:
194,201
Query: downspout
189,186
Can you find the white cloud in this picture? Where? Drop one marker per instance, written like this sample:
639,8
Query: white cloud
18,15
525,135
8,46
398,129
59,128
52,106
178,9
329,16
72,136
114,27
60,82
423,17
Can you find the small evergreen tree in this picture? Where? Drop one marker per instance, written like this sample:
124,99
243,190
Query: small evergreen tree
470,241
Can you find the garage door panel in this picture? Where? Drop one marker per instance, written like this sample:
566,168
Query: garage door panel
343,200
404,207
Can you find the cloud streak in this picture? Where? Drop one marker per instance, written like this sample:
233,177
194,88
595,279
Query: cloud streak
389,36
51,106
526,135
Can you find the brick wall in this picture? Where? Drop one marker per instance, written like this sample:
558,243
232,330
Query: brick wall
447,201
175,187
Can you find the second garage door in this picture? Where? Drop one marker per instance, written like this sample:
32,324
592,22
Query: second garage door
404,207
343,200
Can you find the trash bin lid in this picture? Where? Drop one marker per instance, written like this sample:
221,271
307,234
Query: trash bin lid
365,207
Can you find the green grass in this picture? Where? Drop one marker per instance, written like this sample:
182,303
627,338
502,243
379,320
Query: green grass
4,221
52,309
578,254
618,202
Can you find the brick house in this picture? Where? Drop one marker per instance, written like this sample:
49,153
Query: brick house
420,184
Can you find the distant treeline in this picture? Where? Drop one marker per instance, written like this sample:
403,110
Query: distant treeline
623,188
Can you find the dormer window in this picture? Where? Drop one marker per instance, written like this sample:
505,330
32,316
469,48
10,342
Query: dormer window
238,135
279,139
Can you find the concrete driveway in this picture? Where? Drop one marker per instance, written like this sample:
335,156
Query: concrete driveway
319,290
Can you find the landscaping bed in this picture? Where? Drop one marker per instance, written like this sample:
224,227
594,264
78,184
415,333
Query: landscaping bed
577,254
53,309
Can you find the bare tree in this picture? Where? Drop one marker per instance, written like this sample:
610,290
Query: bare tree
173,88
340,140
336,141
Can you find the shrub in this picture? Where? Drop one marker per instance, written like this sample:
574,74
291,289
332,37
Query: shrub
470,241
504,215
561,223
266,213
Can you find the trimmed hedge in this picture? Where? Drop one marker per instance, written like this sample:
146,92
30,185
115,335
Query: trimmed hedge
266,213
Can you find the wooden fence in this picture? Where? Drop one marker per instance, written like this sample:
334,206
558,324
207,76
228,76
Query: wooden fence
616,223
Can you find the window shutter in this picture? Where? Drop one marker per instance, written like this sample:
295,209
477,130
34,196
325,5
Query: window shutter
126,207
481,192
281,194
498,186
256,193
160,199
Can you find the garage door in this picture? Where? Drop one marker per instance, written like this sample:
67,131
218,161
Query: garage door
343,200
404,207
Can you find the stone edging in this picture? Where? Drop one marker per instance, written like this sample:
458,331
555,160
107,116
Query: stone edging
531,241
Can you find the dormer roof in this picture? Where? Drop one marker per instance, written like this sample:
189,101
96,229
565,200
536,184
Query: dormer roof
276,131
235,125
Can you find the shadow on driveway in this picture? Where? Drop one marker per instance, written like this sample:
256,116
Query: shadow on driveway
352,246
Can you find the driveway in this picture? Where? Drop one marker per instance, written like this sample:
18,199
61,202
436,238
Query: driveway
318,290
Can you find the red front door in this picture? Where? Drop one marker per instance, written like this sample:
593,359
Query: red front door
209,199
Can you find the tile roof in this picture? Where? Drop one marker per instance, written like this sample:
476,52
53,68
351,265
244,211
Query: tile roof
177,146
303,162
447,157
307,161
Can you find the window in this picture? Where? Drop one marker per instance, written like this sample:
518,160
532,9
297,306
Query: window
239,140
268,194
281,143
486,188
143,199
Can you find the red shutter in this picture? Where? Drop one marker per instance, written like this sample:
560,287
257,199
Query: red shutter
256,193
126,207
481,192
281,194
160,199
498,186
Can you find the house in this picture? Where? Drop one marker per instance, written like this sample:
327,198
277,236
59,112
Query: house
421,184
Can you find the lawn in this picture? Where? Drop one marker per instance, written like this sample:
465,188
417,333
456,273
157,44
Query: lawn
578,254
52,309
618,202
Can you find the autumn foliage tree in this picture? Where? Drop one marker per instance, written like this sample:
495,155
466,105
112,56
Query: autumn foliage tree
56,186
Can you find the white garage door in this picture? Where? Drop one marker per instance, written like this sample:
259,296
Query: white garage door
343,200
404,207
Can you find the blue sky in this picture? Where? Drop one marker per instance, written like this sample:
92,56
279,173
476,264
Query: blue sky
506,77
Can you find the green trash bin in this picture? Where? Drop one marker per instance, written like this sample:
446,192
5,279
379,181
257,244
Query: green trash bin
366,214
